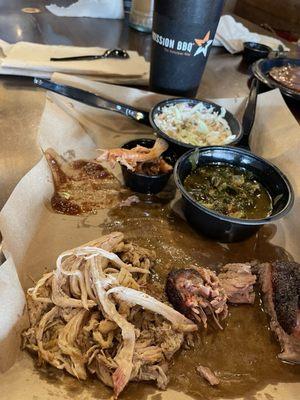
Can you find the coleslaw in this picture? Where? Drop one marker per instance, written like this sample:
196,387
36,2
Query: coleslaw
196,125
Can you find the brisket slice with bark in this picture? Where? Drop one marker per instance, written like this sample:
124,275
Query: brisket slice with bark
280,284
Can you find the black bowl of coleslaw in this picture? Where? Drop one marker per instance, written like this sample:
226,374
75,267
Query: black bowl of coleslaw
189,123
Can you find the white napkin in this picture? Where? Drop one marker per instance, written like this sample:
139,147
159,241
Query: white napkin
32,59
112,9
232,35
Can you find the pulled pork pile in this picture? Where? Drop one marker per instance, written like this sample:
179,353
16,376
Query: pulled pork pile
89,315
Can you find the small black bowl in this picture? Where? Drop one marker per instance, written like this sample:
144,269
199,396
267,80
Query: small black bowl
181,147
144,183
221,227
255,51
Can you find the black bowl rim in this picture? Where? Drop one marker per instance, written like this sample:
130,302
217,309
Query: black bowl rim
225,218
264,47
144,175
258,65
186,99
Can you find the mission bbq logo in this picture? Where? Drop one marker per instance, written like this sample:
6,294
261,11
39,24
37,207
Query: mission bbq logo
183,47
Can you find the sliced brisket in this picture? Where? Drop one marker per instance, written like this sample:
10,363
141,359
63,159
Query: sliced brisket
280,284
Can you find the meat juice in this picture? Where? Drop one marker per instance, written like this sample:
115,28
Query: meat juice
244,354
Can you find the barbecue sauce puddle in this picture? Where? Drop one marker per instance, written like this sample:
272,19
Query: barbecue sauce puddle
244,354
82,186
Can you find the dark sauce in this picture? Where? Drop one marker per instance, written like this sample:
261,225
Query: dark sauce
287,75
230,191
82,187
64,205
244,354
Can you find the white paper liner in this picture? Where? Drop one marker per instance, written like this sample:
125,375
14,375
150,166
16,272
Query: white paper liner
34,236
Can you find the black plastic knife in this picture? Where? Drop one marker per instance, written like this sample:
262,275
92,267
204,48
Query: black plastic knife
249,114
93,100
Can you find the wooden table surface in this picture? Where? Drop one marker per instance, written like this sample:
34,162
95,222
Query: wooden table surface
21,104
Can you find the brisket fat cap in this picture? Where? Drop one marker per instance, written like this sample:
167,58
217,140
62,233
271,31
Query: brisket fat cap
197,293
280,289
286,295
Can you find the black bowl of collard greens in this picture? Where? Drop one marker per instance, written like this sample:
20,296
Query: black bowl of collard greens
230,226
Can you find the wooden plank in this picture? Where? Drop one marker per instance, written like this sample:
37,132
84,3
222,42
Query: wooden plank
280,15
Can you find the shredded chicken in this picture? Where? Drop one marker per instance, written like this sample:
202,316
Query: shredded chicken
140,159
90,316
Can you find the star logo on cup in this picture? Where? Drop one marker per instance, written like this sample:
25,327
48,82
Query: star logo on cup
203,44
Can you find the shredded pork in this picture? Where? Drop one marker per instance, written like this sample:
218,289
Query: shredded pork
237,281
197,293
208,375
89,315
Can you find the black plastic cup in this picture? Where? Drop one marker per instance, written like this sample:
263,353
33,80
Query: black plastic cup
182,36
141,183
255,51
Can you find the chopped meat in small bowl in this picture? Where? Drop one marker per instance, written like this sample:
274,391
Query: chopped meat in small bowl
146,164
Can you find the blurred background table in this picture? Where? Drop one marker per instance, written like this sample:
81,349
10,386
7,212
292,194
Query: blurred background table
21,104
